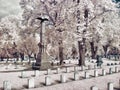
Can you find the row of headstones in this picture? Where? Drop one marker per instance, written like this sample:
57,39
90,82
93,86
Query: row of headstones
110,87
31,84
15,67
49,71
63,79
116,57
87,75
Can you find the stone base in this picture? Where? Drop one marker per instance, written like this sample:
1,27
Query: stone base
45,65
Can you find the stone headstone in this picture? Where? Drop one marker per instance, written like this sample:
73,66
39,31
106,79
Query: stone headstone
89,67
48,71
110,71
63,78
87,75
94,88
7,85
7,67
75,69
110,86
23,64
31,83
58,70
119,82
69,62
67,70
36,73
95,66
82,68
76,76
47,80
96,73
23,74
16,66
103,72
116,70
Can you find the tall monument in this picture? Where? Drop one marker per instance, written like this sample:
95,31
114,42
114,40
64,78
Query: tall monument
42,61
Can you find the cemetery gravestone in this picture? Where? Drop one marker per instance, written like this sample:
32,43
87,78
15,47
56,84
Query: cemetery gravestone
36,73
103,72
76,76
94,88
87,75
47,80
31,83
110,70
110,86
63,78
48,71
95,66
116,70
96,73
82,68
89,67
58,70
23,74
67,70
75,69
7,85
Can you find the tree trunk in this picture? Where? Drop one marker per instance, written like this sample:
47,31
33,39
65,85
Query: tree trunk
93,50
81,54
29,59
105,48
22,56
35,56
61,54
74,52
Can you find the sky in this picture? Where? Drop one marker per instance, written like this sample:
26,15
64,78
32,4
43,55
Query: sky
8,7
